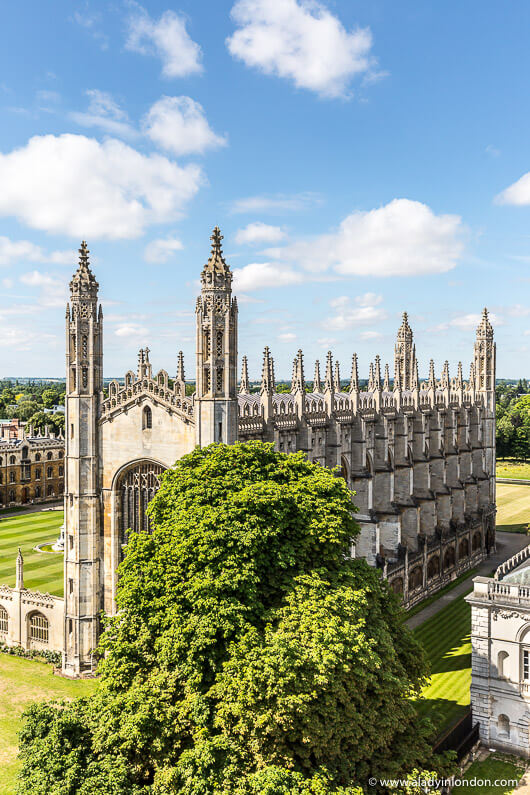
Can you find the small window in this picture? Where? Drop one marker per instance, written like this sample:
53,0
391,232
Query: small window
49,456
526,665
37,492
147,418
11,496
37,474
501,659
24,452
12,460
38,628
37,457
49,472
12,477
4,621
61,472
70,585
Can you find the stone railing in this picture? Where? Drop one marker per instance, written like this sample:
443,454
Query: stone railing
502,592
512,563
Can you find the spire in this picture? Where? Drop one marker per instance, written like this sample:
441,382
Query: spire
371,378
432,377
459,377
354,380
336,379
415,375
317,383
328,380
298,381
144,366
267,374
377,373
20,571
243,387
484,328
83,284
404,355
216,272
444,380
180,367
386,382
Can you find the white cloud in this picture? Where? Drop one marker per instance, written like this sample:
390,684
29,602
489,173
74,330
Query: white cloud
287,336
470,322
161,250
178,124
369,299
347,315
302,41
12,251
264,274
52,291
327,342
75,185
370,335
518,193
258,232
23,339
278,203
131,330
104,112
402,238
166,38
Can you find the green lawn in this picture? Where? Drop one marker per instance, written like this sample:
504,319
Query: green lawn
509,468
446,639
22,682
42,571
513,507
494,768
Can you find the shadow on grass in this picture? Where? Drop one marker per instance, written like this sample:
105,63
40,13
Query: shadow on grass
512,528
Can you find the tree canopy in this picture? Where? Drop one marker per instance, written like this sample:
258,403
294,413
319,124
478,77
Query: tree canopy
250,653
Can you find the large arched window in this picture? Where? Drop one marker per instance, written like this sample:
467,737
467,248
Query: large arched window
136,487
38,628
4,620
147,418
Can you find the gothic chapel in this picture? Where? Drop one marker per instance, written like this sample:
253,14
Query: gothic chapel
419,456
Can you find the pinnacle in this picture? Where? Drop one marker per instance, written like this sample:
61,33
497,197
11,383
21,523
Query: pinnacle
217,263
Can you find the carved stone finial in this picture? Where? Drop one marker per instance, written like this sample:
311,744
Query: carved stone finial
244,386
216,272
386,382
328,380
83,284
354,379
336,378
298,380
181,376
317,383
20,571
432,377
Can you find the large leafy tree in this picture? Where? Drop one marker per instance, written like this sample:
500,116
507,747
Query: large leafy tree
250,653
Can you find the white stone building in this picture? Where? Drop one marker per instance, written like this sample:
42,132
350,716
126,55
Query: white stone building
500,638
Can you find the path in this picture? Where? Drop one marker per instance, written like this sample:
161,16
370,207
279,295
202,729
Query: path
43,506
507,545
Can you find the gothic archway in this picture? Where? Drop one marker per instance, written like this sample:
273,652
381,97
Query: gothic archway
136,486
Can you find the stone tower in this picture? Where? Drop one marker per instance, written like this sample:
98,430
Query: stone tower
216,408
484,362
84,374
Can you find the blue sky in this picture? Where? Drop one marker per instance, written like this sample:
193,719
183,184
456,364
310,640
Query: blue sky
361,159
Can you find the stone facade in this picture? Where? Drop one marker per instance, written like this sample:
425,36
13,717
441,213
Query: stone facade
500,638
420,457
31,469
30,619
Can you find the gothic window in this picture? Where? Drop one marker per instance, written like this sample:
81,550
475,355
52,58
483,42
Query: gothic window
37,492
397,585
61,472
219,345
38,628
37,457
60,454
11,496
12,477
449,558
12,459
49,456
85,347
219,384
207,348
136,489
206,379
147,418
3,619
476,541
463,548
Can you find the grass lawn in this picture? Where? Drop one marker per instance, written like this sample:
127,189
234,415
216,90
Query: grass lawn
513,507
42,571
446,639
510,468
419,607
494,768
22,682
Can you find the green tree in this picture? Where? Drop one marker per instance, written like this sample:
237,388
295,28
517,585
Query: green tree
49,398
250,653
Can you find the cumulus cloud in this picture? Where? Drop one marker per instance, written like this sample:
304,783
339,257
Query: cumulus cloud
517,194
264,274
470,322
13,251
178,124
287,336
131,330
161,250
104,112
300,40
167,39
347,315
402,238
278,203
52,290
258,232
74,185
370,335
